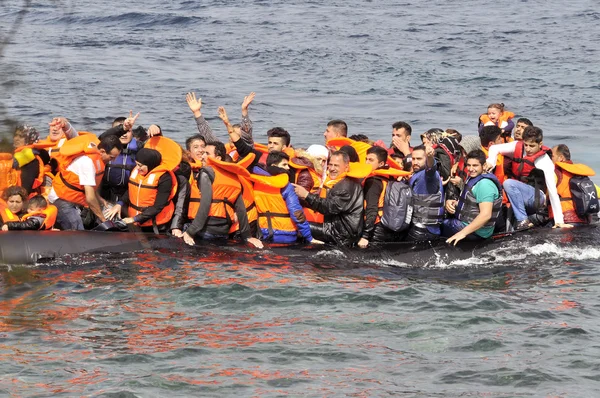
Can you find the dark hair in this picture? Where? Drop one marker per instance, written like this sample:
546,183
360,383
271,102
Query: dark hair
340,126
476,154
15,190
38,201
119,120
220,149
402,125
360,138
279,132
378,151
195,137
352,154
419,148
275,157
455,134
532,133
344,156
564,151
109,143
524,120
489,134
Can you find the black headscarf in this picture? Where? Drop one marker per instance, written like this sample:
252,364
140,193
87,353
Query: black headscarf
149,157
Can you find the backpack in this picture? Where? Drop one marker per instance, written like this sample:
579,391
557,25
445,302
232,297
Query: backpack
584,196
397,206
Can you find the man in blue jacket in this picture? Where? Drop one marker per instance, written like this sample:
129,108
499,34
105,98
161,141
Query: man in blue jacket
428,195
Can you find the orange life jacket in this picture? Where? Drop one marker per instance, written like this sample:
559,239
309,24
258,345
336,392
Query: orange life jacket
8,176
195,195
53,147
360,147
143,191
232,151
264,150
272,210
502,120
48,214
564,171
66,183
247,191
226,189
39,180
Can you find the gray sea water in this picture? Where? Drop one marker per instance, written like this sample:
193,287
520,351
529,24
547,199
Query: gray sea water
522,321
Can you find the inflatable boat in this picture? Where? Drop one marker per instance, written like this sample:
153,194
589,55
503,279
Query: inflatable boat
31,247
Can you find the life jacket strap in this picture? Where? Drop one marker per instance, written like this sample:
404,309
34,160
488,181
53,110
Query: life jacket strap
69,185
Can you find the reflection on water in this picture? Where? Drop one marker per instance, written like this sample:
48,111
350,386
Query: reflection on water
208,322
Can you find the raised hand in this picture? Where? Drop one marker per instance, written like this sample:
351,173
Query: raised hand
59,126
194,104
153,130
130,121
223,115
429,151
401,144
247,101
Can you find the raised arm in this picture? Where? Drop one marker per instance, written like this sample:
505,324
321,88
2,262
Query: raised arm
246,123
204,129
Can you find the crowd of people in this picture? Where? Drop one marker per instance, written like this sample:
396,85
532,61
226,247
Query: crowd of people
348,190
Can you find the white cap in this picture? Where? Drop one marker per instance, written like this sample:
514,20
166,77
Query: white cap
316,150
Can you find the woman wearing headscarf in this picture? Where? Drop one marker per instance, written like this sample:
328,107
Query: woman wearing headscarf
149,197
28,160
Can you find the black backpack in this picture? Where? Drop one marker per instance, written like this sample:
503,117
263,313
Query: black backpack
584,196
397,206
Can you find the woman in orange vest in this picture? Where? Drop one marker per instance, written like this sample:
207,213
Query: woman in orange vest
12,204
149,197
40,216
31,160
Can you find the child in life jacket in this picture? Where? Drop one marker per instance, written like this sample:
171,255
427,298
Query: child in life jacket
497,116
40,216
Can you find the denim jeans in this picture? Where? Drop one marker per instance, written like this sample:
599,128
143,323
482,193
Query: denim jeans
451,226
68,217
522,198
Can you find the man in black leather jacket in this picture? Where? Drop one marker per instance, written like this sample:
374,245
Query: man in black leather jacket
342,207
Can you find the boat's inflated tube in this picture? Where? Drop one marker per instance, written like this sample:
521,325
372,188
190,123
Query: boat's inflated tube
28,247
